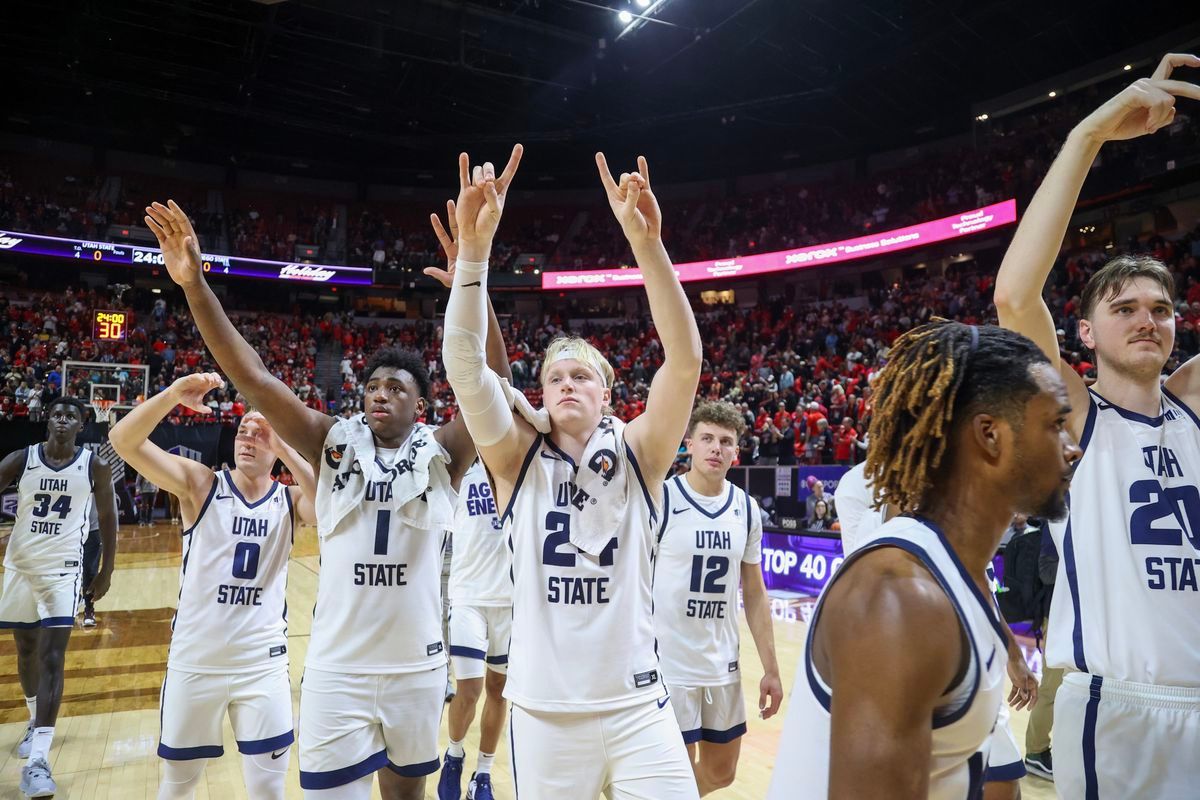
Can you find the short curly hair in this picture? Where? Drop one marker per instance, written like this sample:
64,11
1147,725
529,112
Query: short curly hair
721,414
399,359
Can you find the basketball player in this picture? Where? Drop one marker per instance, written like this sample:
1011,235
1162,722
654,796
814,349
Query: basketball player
58,481
1128,624
860,517
480,619
711,528
904,666
229,637
375,674
581,502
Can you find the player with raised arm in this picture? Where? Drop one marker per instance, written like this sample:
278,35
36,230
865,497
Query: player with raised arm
57,481
375,673
709,543
581,503
228,653
1126,617
903,671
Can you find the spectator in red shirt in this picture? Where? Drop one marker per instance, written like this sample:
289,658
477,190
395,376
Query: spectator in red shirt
847,437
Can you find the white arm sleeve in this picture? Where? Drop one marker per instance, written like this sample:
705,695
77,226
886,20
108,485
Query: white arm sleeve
481,398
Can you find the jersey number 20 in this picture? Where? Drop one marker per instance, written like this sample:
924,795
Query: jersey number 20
558,524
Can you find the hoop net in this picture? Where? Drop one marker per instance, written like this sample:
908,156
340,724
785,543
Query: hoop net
103,408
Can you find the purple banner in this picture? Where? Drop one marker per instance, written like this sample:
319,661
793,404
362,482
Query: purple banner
799,563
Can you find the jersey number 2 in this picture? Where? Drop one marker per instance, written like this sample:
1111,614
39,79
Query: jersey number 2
558,524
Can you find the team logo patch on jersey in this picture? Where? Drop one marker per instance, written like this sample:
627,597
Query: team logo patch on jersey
279,650
433,649
333,455
604,464
643,679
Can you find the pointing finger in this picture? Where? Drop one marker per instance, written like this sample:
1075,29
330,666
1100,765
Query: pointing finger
510,169
464,170
606,177
644,169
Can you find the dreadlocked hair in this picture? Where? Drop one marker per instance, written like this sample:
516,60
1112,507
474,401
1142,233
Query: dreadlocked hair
934,373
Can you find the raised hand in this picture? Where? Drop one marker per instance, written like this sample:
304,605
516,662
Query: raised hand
1143,107
481,197
449,243
190,390
177,239
632,201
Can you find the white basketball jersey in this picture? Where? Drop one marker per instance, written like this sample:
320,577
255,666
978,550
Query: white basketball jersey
233,580
855,509
702,545
1127,598
965,715
379,597
480,572
52,515
582,631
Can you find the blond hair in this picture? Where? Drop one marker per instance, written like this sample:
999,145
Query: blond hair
582,351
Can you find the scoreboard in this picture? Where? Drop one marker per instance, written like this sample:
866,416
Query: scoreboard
111,326
101,253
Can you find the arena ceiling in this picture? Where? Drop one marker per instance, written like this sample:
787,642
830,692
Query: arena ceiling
389,89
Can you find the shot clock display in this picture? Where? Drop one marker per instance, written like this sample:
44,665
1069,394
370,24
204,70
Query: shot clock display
111,326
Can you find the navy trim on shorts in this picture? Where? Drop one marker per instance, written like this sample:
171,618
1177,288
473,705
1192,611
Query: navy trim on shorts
512,498
692,736
467,652
1091,786
415,770
723,737
497,660
190,753
331,779
259,746
1005,772
512,753
57,622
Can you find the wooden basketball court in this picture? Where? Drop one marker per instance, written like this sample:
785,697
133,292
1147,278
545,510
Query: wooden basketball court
107,731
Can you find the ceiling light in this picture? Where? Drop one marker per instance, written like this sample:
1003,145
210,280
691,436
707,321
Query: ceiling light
1054,94
642,3
1128,67
625,17
982,117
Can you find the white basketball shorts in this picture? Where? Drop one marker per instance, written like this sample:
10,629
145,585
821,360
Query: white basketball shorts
714,714
354,725
194,704
1120,739
479,640
1005,762
634,753
38,601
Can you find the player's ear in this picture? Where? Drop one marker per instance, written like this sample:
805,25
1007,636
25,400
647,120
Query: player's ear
990,434
1086,334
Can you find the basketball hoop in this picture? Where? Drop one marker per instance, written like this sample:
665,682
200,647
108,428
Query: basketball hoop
103,408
